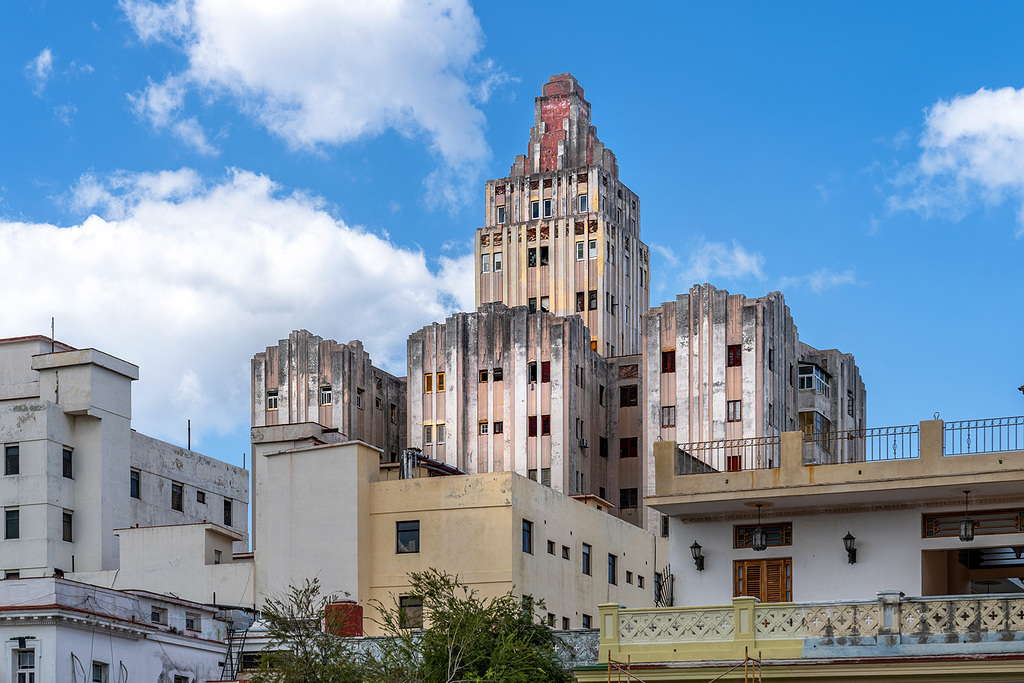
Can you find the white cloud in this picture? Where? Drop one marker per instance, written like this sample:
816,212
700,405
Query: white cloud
326,72
39,70
819,280
64,112
972,151
188,278
706,261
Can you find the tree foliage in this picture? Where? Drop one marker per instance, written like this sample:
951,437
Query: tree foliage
466,639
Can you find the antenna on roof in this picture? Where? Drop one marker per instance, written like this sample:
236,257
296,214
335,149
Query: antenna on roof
51,333
190,434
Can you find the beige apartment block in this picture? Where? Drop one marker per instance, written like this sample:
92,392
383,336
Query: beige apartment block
74,470
562,232
361,534
306,378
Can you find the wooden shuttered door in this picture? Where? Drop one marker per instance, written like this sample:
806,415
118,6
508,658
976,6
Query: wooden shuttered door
766,580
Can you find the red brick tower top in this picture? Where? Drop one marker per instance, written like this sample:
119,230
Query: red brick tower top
562,136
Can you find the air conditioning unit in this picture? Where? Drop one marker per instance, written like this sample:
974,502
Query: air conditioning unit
583,443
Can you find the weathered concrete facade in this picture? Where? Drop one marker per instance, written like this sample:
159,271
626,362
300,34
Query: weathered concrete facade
74,471
306,378
831,398
562,233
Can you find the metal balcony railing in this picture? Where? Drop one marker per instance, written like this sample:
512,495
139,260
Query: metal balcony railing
862,445
991,435
728,455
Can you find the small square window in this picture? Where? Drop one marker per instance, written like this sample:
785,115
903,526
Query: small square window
668,416
735,356
201,497
326,395
407,537
547,208
628,396
565,552
565,623
499,427
68,464
668,361
579,251
192,621
485,263
12,460
587,621
551,547
439,433
532,371
584,205
440,381
531,422
581,301
497,262
272,399
500,214
100,672
629,577
545,425
545,371
158,615
535,209
483,375
628,447
628,498
428,383
359,398
483,428
639,581
497,374
734,411
592,247
532,303
551,620
592,300
545,304
544,253
410,608
177,497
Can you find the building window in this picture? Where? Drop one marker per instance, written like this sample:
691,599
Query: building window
592,300
410,610
68,463
439,433
551,547
587,621
628,447
613,569
734,356
775,534
531,424
579,251
547,208
734,411
192,621
545,425
629,577
483,375
227,512
581,301
813,422
531,257
359,398
25,666
668,360
600,394
407,537
639,581
531,371
565,552
545,371
12,524
272,399
176,497
535,209
527,536
592,248
501,214
67,529
544,252
12,460
771,359
584,206
497,262
602,446
565,623
100,672
627,499
766,580
545,304
664,526
440,381
585,559
394,413
668,416
216,557
378,403
157,615
135,485
532,303
499,427
326,397
483,428
628,396
551,620
428,383
485,263
813,377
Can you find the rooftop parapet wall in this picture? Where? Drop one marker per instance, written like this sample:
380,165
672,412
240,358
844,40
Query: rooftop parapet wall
793,479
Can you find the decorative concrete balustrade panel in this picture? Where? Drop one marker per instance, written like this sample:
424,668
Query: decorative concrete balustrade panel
837,620
981,615
646,627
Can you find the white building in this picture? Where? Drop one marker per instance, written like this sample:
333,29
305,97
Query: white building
58,630
74,470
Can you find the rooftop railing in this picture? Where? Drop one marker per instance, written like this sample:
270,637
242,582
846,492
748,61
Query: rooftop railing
862,445
991,435
731,455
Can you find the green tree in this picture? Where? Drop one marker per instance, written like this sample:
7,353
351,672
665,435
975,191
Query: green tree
300,649
467,638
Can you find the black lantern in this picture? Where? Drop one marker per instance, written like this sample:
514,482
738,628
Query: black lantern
966,524
851,549
759,539
698,559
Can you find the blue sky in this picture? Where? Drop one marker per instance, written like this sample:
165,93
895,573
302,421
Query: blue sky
183,183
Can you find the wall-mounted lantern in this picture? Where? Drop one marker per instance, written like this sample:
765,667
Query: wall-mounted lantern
966,524
698,559
851,549
759,539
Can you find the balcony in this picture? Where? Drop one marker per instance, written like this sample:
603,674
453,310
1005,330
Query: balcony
895,630
871,466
